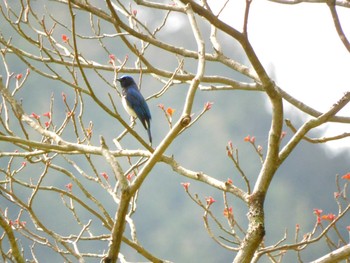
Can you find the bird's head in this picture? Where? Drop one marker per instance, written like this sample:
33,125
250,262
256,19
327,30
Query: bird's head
126,81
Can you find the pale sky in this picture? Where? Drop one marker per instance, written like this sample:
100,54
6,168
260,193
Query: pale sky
300,43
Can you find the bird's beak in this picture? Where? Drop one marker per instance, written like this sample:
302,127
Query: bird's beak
119,79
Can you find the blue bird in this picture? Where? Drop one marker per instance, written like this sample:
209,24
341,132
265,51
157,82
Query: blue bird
134,103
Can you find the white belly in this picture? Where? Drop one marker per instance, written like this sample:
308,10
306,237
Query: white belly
129,110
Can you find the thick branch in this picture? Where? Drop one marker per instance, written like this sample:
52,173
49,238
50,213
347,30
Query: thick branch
17,255
337,255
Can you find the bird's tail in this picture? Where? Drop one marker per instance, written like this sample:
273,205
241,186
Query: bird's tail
149,134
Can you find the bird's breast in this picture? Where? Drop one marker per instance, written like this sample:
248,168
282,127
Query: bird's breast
128,109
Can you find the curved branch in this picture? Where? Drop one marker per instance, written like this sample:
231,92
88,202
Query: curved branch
17,255
338,27
318,140
313,123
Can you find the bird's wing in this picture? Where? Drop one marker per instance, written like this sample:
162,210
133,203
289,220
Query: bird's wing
136,101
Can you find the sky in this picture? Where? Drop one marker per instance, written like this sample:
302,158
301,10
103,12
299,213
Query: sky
300,45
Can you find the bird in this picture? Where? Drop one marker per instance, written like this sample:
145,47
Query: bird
134,103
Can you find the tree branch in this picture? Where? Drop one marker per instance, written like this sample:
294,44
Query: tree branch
343,3
337,255
313,123
16,254
338,27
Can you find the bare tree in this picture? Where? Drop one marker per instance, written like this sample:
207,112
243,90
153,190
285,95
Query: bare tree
63,42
